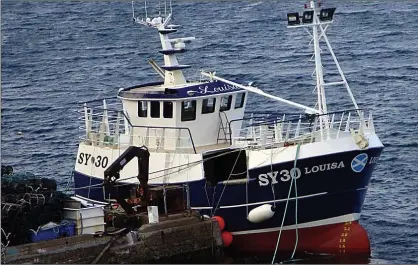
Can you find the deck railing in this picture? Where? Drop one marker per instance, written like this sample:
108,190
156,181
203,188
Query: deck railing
273,130
109,126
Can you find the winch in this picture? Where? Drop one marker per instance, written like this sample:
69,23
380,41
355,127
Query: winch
112,174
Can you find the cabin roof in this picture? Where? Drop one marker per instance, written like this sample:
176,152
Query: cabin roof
150,88
157,90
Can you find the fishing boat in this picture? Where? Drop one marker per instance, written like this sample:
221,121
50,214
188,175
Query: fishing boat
280,182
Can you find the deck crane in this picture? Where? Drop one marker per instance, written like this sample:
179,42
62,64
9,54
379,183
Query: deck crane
112,174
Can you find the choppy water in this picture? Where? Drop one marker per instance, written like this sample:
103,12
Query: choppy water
57,53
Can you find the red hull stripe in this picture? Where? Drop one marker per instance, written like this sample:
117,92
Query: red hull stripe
338,239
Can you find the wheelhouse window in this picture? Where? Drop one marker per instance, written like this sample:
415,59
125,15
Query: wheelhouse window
188,110
226,103
239,101
208,105
168,109
142,108
155,109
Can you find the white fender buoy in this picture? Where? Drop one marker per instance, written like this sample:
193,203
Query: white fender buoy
261,213
227,238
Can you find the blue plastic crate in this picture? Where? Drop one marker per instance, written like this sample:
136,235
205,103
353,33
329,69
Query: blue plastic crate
65,229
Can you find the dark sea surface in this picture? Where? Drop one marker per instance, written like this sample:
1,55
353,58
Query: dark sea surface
58,53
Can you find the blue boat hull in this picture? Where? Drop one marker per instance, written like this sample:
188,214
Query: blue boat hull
331,190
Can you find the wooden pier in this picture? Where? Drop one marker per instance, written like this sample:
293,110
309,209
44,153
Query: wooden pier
175,239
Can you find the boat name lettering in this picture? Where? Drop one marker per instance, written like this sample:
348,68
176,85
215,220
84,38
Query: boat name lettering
209,90
98,161
286,175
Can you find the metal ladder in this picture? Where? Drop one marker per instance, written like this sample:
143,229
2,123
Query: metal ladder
224,128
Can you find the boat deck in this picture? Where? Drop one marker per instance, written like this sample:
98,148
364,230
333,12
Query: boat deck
199,149
205,148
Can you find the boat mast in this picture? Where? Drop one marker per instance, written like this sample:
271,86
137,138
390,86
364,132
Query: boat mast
319,29
319,19
322,103
171,70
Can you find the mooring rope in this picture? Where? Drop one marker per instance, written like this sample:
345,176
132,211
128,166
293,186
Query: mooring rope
285,209
230,174
271,184
115,236
296,206
4,246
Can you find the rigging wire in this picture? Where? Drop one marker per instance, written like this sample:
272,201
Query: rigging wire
246,188
271,183
213,197
207,197
285,209
296,204
223,190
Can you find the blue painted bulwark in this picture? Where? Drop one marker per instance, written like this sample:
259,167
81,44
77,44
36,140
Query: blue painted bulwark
175,67
322,194
172,51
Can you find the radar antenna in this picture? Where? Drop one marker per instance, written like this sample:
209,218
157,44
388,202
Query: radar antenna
172,70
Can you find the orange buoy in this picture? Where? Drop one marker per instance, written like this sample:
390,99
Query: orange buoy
227,238
220,221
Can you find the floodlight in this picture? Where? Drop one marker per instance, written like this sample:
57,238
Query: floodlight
326,14
307,16
293,19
